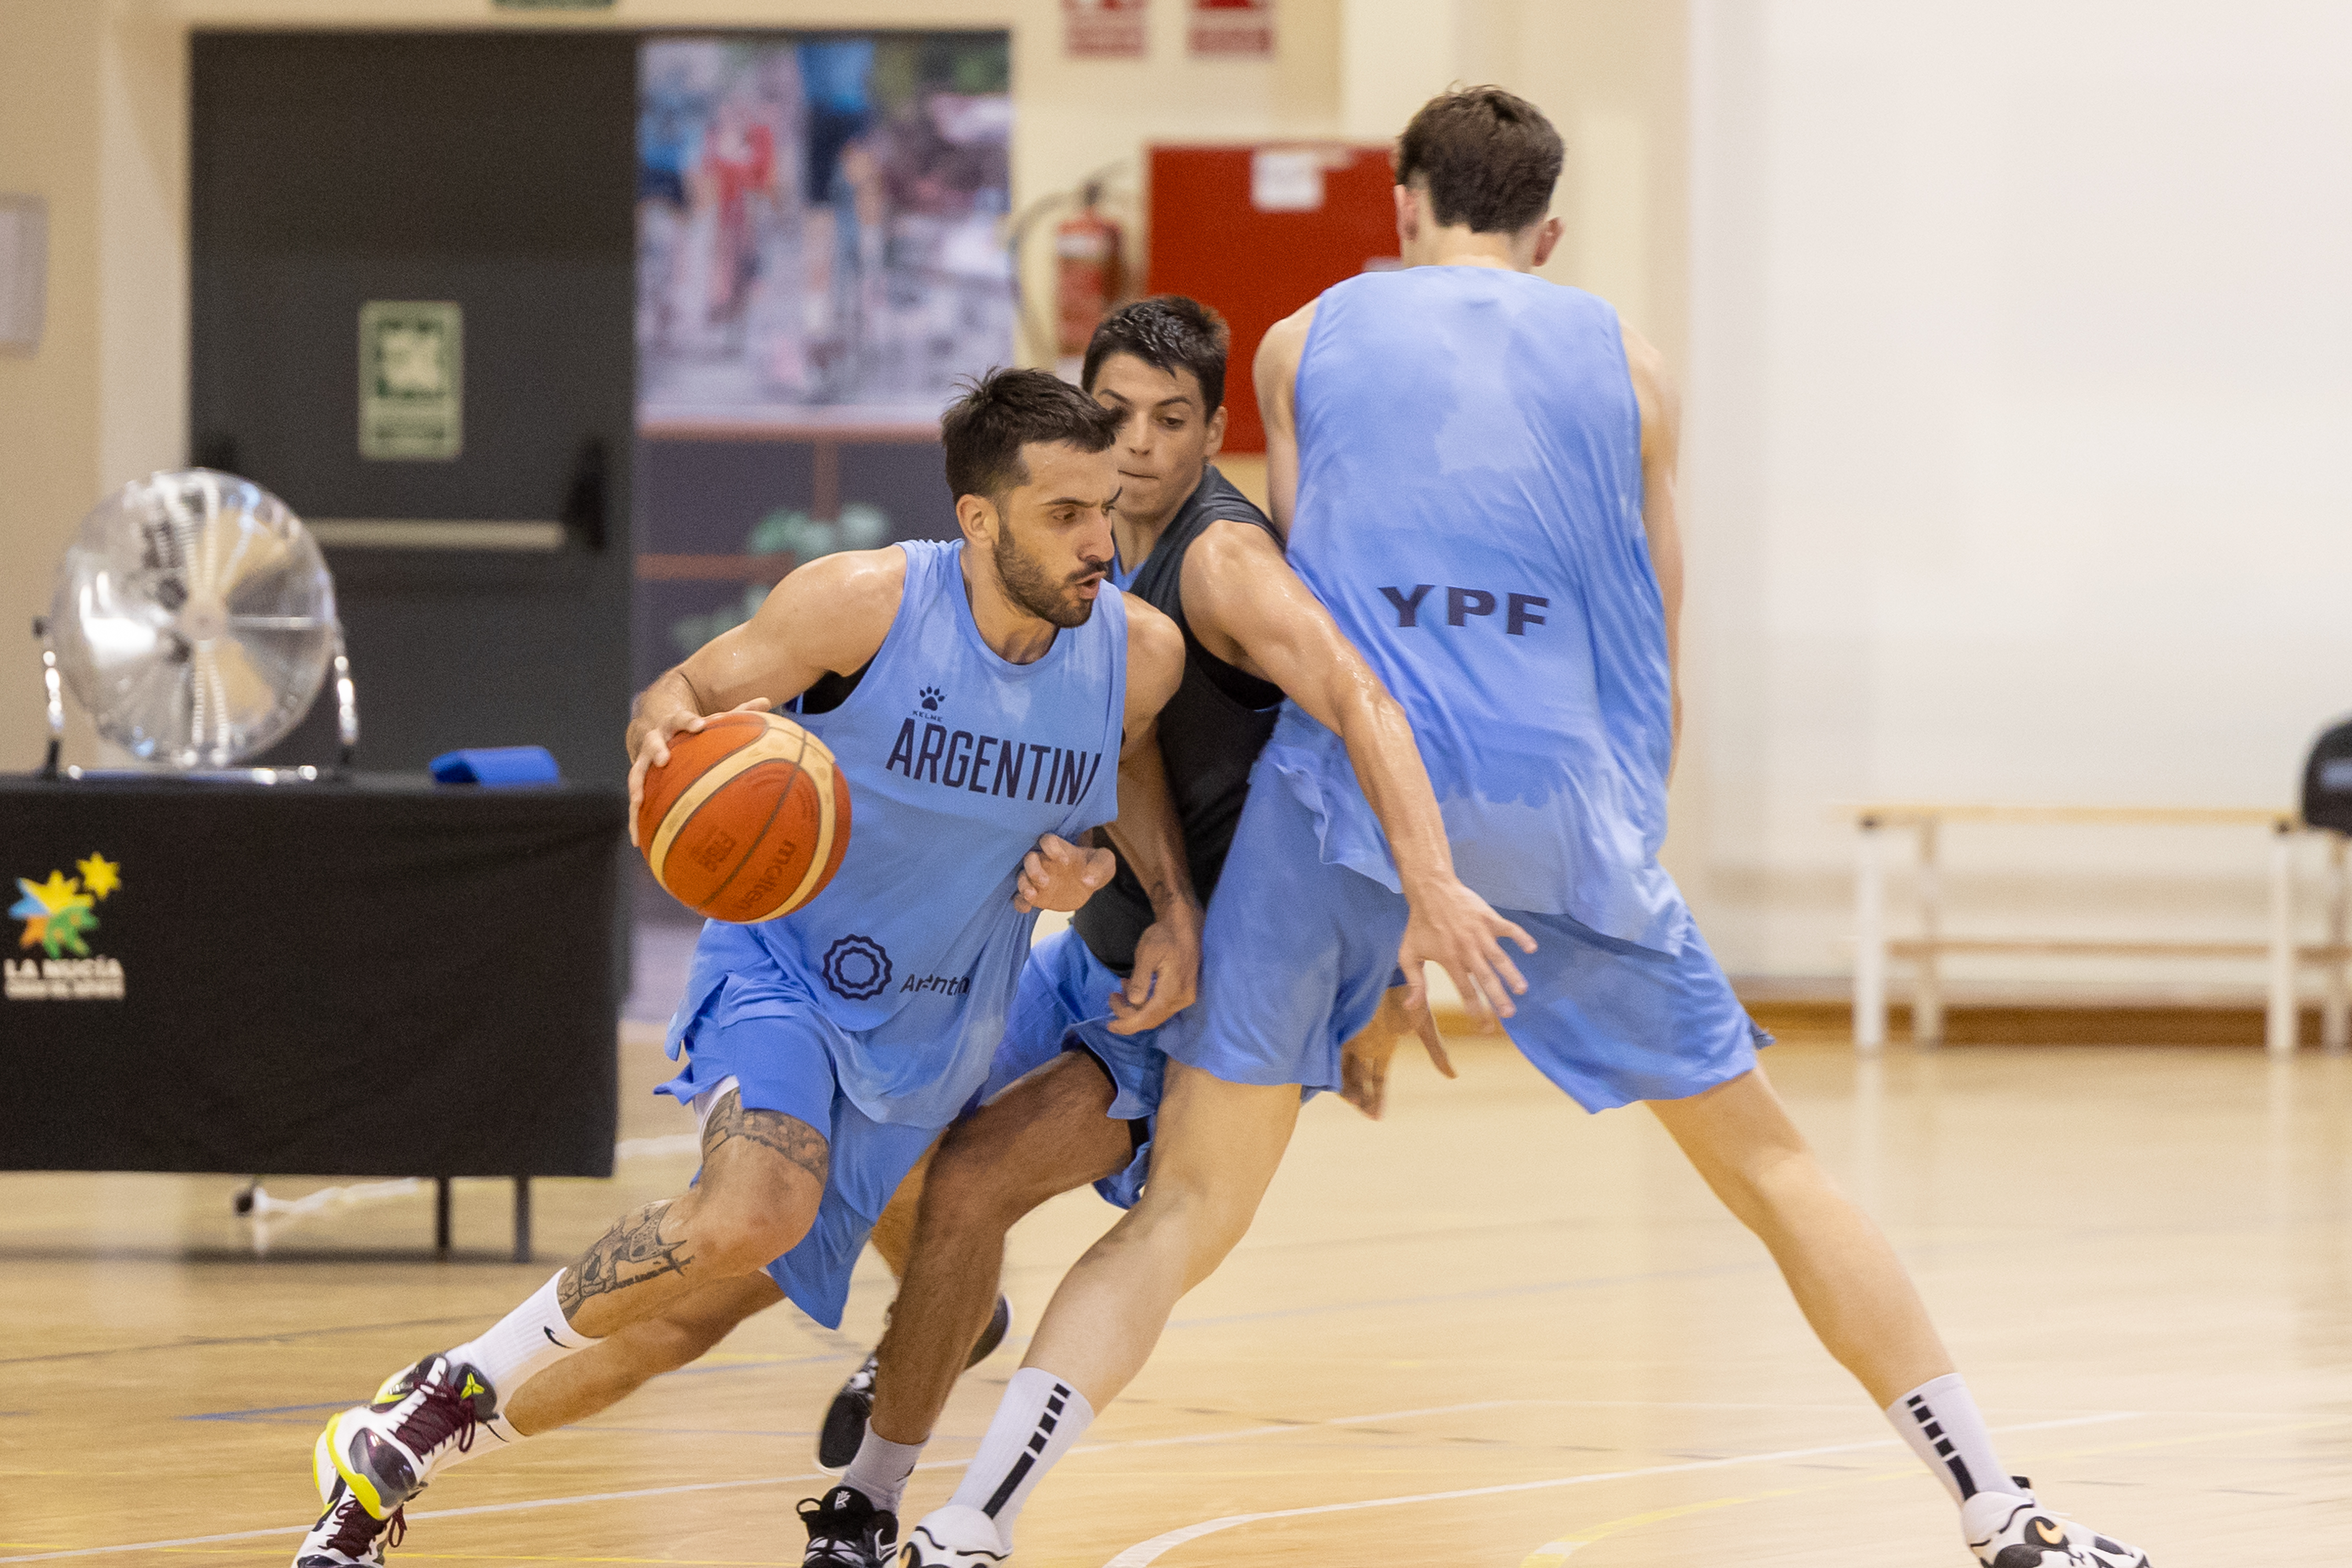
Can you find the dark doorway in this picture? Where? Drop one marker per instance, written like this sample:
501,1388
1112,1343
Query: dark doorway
348,185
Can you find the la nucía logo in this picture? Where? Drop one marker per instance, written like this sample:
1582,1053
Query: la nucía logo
59,916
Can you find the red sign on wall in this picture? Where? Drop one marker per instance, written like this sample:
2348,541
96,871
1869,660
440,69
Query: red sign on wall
1232,27
1106,29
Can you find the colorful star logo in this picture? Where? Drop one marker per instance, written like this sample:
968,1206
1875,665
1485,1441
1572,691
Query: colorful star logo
58,914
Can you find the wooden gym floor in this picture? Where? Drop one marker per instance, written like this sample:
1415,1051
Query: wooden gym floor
1488,1331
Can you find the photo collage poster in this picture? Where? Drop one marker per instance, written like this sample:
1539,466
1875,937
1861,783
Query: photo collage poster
822,256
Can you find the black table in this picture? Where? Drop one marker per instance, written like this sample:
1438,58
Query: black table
383,978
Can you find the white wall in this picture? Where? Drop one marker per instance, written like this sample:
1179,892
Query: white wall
2020,405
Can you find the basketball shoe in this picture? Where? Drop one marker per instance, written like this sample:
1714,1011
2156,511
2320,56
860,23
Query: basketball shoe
347,1535
2011,1530
847,1530
954,1537
844,1418
385,1450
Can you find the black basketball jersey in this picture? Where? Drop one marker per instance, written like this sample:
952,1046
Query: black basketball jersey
1210,733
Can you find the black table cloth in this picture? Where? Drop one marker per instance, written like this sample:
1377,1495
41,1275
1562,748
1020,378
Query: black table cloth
384,977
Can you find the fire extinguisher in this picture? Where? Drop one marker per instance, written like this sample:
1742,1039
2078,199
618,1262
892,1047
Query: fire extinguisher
1090,272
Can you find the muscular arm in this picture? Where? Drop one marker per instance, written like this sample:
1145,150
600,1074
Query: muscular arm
1276,371
1148,834
1661,437
1250,609
831,615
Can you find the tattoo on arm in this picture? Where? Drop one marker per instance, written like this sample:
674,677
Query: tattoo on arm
772,1129
632,1252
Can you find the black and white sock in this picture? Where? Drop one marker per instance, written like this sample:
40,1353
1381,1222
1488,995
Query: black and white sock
1940,1422
1038,1420
532,1337
881,1469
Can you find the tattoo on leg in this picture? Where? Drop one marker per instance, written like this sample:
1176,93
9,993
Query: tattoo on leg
632,1252
787,1135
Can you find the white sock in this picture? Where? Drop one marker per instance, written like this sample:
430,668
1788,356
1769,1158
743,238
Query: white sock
1940,1422
530,1339
1040,1417
881,1469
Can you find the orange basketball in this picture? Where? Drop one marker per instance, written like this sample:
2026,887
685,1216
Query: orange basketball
748,820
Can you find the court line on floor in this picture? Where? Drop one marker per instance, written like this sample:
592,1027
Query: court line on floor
1498,1292
259,1414
1145,1552
1553,1553
535,1503
197,1345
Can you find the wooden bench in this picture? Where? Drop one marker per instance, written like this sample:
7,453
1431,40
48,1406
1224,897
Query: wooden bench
2283,955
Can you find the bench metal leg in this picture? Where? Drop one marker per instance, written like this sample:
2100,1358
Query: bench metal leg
2280,1026
2336,1011
1869,941
441,1216
523,1219
1927,993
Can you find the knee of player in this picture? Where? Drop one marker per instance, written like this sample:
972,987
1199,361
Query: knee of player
1211,1217
739,1233
1757,1181
971,1186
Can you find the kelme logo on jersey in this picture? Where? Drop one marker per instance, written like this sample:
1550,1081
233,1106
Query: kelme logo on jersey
60,914
856,968
986,765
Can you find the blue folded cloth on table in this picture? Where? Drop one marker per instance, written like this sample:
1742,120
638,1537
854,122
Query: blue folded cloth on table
497,765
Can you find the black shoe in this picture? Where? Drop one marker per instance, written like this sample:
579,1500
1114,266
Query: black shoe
999,1323
847,1531
845,1419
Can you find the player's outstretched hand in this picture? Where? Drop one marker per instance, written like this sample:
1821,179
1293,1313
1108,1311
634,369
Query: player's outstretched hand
1167,973
1456,930
1060,875
652,749
1364,1060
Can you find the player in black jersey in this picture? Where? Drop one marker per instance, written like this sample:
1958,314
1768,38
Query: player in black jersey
1071,1099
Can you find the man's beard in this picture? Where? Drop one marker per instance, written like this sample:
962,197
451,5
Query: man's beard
1034,589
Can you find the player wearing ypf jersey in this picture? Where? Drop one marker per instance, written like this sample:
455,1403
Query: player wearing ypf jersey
975,691
1477,471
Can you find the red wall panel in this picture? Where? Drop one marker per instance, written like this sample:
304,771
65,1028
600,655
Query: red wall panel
1211,239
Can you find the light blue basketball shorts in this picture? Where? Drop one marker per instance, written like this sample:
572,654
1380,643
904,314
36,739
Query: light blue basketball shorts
1064,1005
747,1024
1296,953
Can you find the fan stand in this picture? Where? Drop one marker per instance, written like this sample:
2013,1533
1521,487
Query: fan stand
347,730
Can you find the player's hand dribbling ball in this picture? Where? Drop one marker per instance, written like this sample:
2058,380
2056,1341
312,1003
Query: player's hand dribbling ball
748,820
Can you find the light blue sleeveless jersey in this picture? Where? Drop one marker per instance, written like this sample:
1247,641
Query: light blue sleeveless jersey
957,760
1470,509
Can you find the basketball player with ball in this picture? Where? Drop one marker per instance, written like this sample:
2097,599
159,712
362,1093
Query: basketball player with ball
957,698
